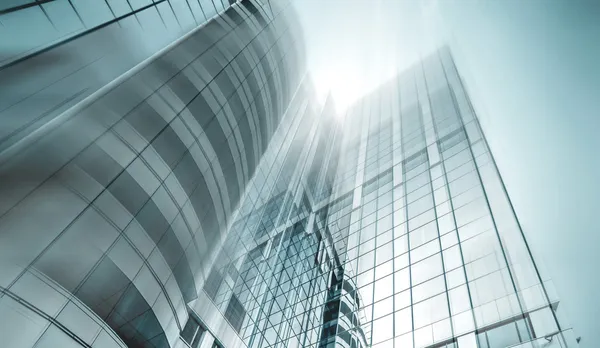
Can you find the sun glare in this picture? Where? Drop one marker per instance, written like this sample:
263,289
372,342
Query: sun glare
343,86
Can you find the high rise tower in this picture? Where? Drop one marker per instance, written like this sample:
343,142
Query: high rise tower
113,211
421,222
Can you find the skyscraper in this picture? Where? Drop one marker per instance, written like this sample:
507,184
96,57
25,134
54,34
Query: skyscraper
420,221
54,54
112,212
204,198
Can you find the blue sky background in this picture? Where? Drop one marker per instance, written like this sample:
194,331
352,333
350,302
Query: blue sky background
532,70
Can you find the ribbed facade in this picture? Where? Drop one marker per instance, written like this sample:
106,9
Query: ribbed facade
112,213
54,54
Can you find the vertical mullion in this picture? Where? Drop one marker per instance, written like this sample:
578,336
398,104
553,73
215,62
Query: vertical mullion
392,95
439,237
132,11
159,15
77,13
405,198
485,195
202,10
450,201
172,10
113,13
512,209
396,137
192,12
110,9
367,109
47,16
215,7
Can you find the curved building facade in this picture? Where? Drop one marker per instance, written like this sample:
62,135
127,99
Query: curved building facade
112,213
54,54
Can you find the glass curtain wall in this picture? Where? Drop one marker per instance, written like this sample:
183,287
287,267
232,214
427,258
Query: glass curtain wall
389,229
427,232
111,216
268,280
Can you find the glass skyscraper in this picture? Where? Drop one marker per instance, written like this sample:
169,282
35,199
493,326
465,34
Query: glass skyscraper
114,202
196,194
421,228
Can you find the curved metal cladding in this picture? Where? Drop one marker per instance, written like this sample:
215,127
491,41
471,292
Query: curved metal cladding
111,214
54,54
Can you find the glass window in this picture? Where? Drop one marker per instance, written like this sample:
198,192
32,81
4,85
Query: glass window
128,192
383,288
188,173
192,332
403,321
426,269
428,289
384,253
503,336
401,280
430,311
153,221
383,329
169,147
93,13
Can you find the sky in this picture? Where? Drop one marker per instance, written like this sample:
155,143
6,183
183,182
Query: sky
531,69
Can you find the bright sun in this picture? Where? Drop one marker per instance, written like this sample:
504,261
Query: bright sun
344,86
